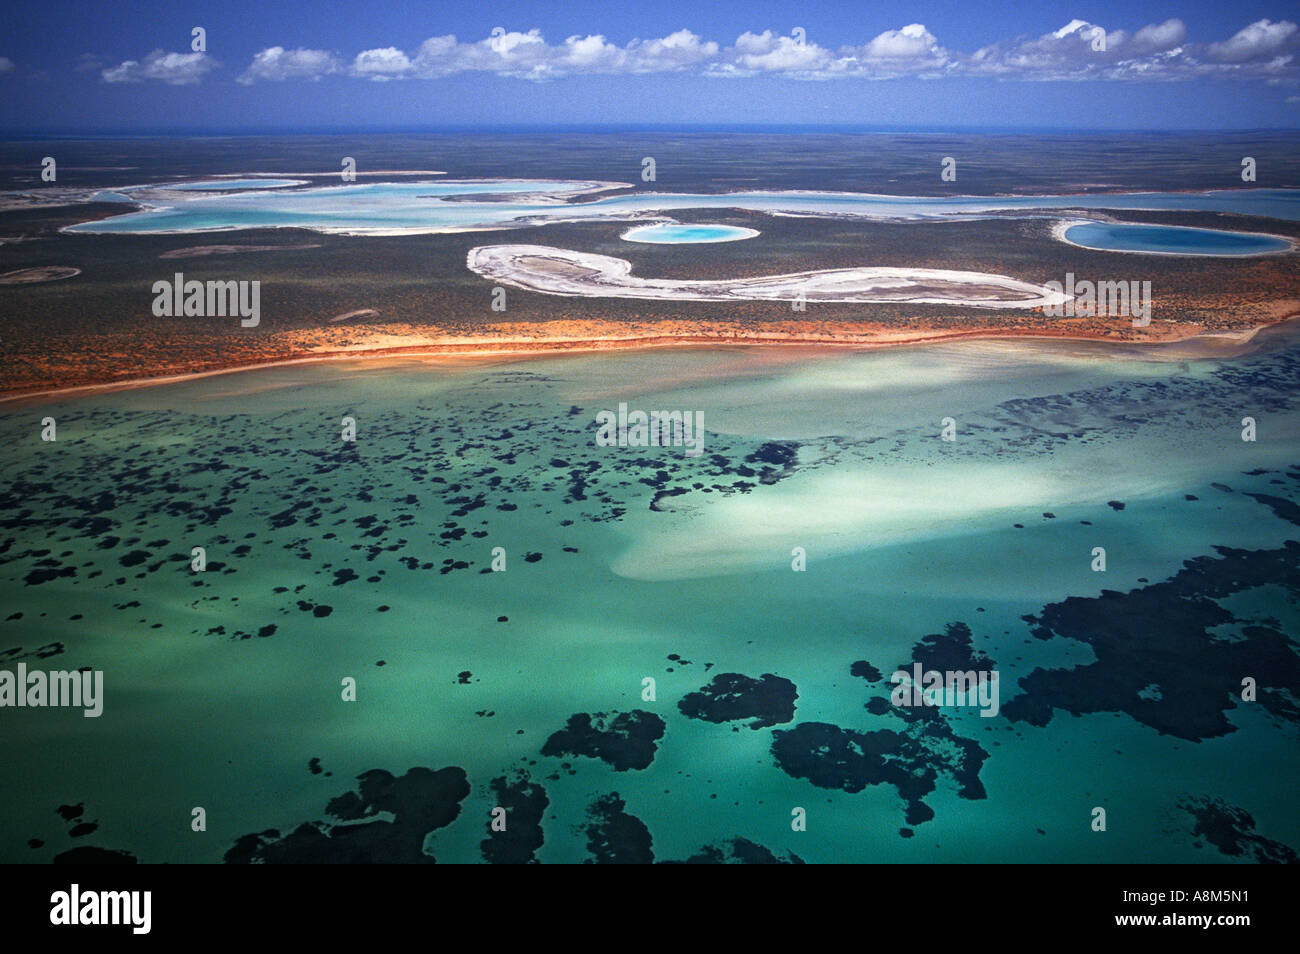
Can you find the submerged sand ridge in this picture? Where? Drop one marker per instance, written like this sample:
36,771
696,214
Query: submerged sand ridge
557,271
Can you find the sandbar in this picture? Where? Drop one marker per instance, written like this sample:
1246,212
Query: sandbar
558,271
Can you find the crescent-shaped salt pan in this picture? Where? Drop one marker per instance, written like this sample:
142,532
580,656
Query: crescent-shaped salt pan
558,271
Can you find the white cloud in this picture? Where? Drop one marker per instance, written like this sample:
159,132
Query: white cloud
523,55
510,54
677,51
384,64
1074,28
1068,53
527,55
910,50
436,57
1260,40
175,69
6,64
769,52
592,54
1158,51
1159,37
277,63
910,43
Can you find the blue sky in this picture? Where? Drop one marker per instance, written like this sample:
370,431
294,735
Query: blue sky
1183,64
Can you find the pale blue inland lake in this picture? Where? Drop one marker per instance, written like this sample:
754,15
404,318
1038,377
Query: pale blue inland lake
411,207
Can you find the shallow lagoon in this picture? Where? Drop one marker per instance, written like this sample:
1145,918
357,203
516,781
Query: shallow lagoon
441,205
671,233
1171,240
608,583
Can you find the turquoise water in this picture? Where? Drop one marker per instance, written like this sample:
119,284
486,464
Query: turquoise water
1059,449
1172,240
432,206
667,233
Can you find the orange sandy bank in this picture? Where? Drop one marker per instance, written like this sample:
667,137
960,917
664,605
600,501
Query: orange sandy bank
518,341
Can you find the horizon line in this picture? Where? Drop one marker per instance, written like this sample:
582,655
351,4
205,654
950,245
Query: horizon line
775,128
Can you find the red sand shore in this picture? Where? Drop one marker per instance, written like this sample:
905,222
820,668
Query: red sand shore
1181,342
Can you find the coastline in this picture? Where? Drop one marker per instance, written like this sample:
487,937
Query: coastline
474,350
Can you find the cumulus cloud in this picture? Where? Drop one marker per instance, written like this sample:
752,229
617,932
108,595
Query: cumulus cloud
1159,37
910,50
910,43
436,57
769,52
1263,39
507,53
1078,50
277,63
175,69
384,64
677,51
529,56
1157,51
